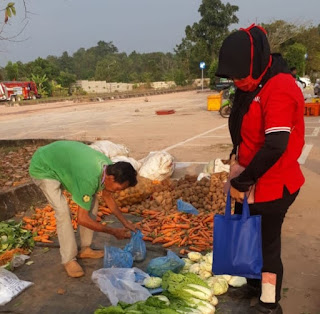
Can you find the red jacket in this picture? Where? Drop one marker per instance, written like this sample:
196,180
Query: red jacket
278,107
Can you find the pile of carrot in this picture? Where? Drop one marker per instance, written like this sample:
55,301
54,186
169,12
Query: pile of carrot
43,222
170,228
190,232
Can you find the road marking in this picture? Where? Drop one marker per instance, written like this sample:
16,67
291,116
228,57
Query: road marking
305,152
194,137
122,122
315,132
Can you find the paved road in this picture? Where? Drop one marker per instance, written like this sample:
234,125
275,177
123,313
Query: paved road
193,136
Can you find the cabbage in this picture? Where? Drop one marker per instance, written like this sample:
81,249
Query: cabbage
186,286
152,282
236,281
205,274
218,285
213,300
195,268
194,256
206,266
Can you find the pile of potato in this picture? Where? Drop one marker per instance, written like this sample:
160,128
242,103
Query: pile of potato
204,195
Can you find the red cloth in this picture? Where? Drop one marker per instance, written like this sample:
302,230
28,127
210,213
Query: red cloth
278,107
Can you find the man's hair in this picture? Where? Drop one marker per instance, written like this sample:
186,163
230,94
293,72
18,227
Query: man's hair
293,69
122,172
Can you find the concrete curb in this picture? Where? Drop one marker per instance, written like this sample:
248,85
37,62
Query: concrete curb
20,199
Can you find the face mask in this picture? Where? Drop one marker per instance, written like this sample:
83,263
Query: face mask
247,84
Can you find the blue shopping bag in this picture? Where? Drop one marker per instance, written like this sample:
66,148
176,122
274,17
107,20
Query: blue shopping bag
237,243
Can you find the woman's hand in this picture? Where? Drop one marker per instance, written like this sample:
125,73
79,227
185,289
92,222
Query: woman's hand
237,195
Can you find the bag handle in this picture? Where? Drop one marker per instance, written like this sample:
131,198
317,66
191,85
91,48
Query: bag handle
245,208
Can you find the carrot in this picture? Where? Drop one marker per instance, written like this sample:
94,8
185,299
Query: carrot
50,228
46,241
100,214
28,227
168,226
184,240
183,226
158,240
208,219
27,219
148,239
193,248
124,209
170,243
98,218
183,251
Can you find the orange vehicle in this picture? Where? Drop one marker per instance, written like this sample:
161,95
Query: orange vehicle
17,90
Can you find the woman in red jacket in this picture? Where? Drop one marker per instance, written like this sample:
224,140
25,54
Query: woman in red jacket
267,130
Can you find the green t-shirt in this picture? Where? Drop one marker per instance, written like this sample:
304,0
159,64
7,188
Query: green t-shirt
77,166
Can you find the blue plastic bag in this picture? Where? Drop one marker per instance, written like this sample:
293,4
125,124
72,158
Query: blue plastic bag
137,247
160,265
186,207
117,258
237,246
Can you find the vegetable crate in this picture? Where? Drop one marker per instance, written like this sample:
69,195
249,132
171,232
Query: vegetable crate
312,109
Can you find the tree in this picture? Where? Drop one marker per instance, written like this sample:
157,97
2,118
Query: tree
213,26
66,79
203,39
281,33
41,82
295,57
310,38
9,11
12,72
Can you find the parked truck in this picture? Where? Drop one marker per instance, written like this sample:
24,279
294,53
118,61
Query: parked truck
17,90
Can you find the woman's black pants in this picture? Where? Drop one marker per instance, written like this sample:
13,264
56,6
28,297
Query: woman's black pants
273,214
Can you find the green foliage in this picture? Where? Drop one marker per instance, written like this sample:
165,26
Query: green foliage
10,10
42,84
12,236
211,73
295,57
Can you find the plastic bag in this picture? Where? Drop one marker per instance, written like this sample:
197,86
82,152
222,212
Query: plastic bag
135,164
160,265
157,166
118,258
19,260
119,284
137,247
10,286
237,243
186,207
110,149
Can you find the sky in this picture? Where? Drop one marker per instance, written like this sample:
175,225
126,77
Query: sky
55,26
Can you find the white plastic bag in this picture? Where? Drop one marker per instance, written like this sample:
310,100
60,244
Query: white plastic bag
121,284
19,260
110,149
157,166
135,164
216,165
10,286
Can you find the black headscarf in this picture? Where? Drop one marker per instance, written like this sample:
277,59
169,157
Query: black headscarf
235,61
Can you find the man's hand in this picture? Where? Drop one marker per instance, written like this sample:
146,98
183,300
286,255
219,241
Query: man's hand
121,233
129,225
237,195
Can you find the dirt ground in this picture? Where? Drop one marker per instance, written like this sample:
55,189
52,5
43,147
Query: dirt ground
193,136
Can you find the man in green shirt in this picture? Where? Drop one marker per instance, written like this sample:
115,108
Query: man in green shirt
83,172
